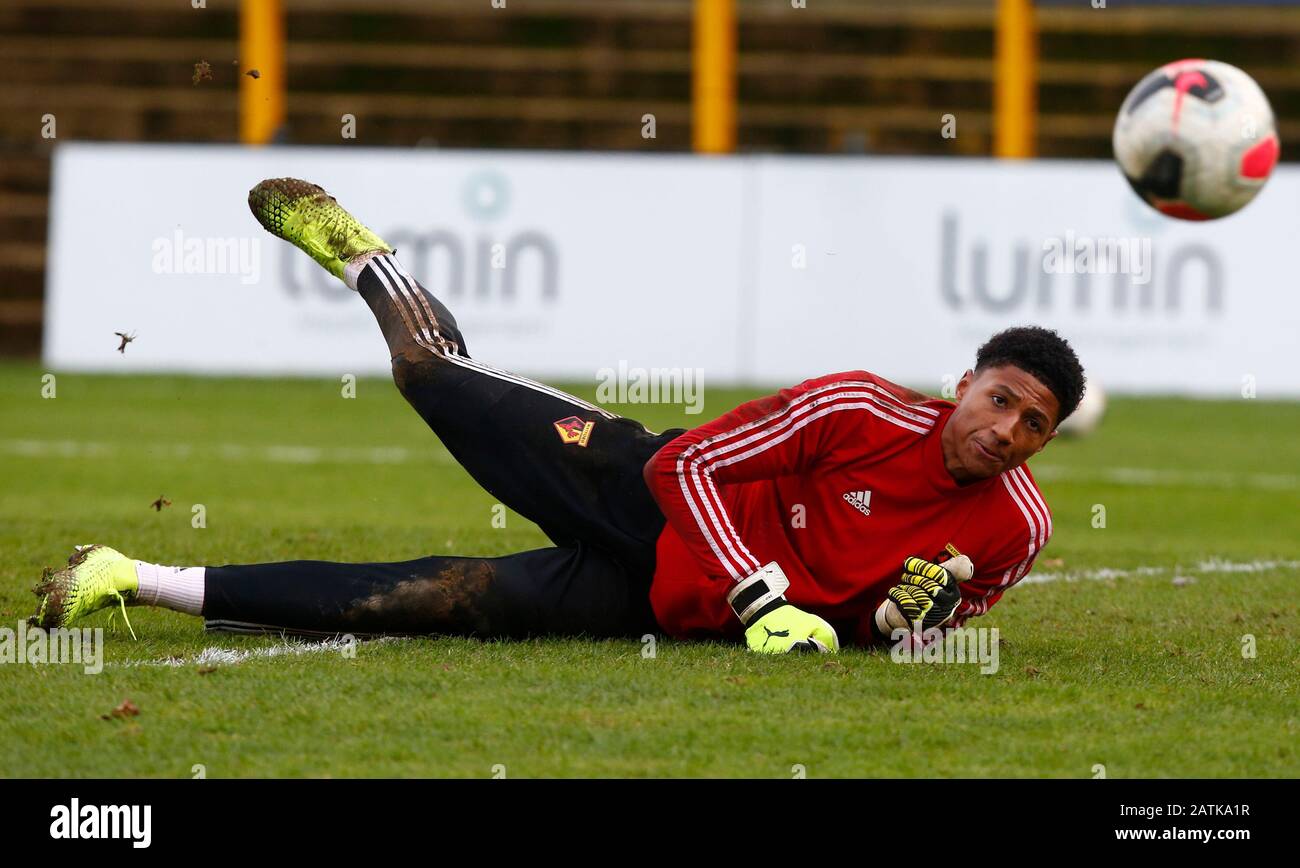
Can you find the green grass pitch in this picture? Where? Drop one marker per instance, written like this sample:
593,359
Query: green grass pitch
1124,649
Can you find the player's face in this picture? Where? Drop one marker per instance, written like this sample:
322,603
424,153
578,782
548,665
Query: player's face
1004,415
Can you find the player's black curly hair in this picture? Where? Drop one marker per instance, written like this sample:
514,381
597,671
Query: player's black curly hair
1042,353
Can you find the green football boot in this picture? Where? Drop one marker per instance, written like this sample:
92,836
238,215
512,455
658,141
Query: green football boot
96,577
313,221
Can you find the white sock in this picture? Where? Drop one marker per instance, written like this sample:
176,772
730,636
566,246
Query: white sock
176,588
357,264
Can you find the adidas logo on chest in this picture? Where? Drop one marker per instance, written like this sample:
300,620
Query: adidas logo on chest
859,500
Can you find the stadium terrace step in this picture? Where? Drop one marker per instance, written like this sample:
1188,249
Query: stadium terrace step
23,216
579,74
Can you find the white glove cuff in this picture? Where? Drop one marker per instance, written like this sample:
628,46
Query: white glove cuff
757,590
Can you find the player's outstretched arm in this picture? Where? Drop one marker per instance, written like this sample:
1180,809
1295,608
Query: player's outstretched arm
783,434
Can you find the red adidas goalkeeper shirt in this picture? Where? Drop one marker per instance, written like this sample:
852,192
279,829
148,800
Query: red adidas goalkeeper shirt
838,480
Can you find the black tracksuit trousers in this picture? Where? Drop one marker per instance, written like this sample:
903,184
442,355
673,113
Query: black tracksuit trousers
571,467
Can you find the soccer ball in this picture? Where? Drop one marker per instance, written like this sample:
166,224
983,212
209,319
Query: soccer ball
1087,416
1196,139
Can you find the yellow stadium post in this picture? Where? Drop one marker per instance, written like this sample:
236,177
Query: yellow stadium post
713,85
261,48
1015,86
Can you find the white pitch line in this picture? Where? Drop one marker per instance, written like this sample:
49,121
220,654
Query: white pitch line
1212,566
216,656
437,454
273,454
1156,477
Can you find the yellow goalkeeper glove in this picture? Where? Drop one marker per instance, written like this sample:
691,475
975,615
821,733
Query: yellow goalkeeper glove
772,624
927,596
786,629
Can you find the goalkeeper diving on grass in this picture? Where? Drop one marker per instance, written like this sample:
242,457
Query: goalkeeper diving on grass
817,516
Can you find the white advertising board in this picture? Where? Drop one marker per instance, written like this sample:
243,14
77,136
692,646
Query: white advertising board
752,269
553,265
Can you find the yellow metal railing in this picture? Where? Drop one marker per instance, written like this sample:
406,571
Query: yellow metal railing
1015,85
713,86
261,48
713,82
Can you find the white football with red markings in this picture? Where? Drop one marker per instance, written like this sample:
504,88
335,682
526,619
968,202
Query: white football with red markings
1196,139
